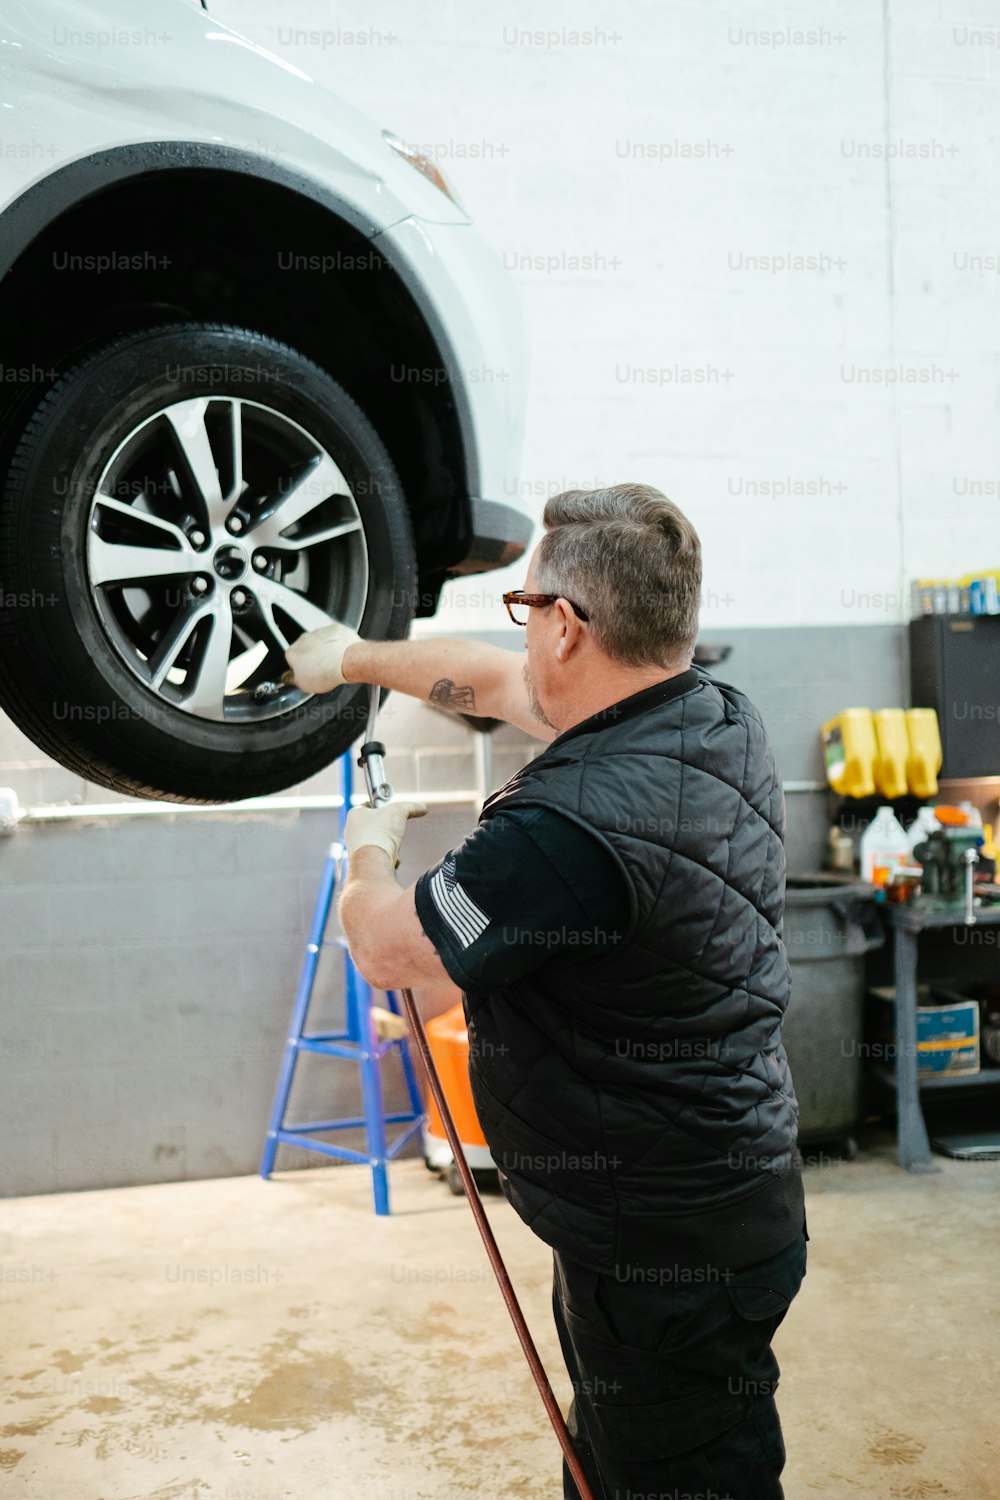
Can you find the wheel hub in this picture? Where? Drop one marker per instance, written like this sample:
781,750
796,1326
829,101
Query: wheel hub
230,562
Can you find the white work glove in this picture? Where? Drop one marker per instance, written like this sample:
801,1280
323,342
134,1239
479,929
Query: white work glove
316,659
380,827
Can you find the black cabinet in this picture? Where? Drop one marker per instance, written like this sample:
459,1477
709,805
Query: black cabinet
955,669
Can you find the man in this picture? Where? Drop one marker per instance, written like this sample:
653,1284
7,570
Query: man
614,922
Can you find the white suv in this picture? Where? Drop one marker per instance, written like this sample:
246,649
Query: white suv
258,372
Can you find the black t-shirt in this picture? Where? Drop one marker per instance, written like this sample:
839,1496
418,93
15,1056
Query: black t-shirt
525,886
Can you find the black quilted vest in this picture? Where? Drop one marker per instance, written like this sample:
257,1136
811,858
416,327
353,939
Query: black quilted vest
639,1106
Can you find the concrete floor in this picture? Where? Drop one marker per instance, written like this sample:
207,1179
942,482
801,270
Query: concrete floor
236,1340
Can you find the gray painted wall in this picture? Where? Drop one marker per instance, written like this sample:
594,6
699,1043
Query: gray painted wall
800,678
148,963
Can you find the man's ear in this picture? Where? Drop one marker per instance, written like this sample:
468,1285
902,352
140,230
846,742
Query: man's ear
569,630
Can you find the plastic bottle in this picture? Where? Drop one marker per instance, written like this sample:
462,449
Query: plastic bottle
849,751
922,597
840,851
884,845
893,752
973,817
924,823
984,593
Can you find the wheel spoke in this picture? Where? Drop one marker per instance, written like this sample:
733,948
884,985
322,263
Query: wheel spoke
164,658
330,534
207,697
141,517
319,481
187,418
296,606
117,562
236,427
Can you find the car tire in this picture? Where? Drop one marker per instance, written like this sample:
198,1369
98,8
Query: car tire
184,503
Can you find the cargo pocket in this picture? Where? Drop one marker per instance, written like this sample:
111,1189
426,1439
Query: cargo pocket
763,1293
760,1297
601,1366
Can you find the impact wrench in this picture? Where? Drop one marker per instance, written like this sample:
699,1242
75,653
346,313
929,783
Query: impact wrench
371,761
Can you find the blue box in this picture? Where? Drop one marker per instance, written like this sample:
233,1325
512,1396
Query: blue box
947,1034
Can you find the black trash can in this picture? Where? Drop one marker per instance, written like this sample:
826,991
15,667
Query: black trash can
831,922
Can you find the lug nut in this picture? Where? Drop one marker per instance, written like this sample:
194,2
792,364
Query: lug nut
239,598
259,561
199,584
235,524
196,538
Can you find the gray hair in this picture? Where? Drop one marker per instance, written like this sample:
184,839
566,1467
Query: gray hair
632,560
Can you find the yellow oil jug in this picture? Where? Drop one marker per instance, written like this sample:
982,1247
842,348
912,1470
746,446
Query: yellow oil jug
893,752
849,751
924,759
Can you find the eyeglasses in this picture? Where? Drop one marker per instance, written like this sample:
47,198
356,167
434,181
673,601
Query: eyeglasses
517,600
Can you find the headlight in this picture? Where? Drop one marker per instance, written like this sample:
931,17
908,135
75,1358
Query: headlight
423,164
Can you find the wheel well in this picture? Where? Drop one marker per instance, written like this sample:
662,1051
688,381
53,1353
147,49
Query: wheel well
218,245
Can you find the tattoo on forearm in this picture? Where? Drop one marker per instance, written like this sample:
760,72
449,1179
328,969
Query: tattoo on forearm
446,695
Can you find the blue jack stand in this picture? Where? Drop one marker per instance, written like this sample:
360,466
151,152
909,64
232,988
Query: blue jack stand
357,1043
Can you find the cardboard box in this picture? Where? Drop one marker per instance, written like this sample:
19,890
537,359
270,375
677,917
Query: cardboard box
947,1033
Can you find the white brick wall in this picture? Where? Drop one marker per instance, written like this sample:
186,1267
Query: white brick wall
797,136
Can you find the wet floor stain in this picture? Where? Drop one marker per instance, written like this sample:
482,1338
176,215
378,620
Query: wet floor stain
920,1489
173,1403
439,1321
27,1429
102,1404
68,1362
890,1448
298,1395
104,1442
10,1457
180,1336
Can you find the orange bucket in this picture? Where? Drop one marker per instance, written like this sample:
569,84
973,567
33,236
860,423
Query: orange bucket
448,1040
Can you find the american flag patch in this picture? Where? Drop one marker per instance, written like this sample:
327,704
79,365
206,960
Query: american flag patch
456,906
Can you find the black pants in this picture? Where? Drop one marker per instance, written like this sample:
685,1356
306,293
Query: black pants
674,1377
